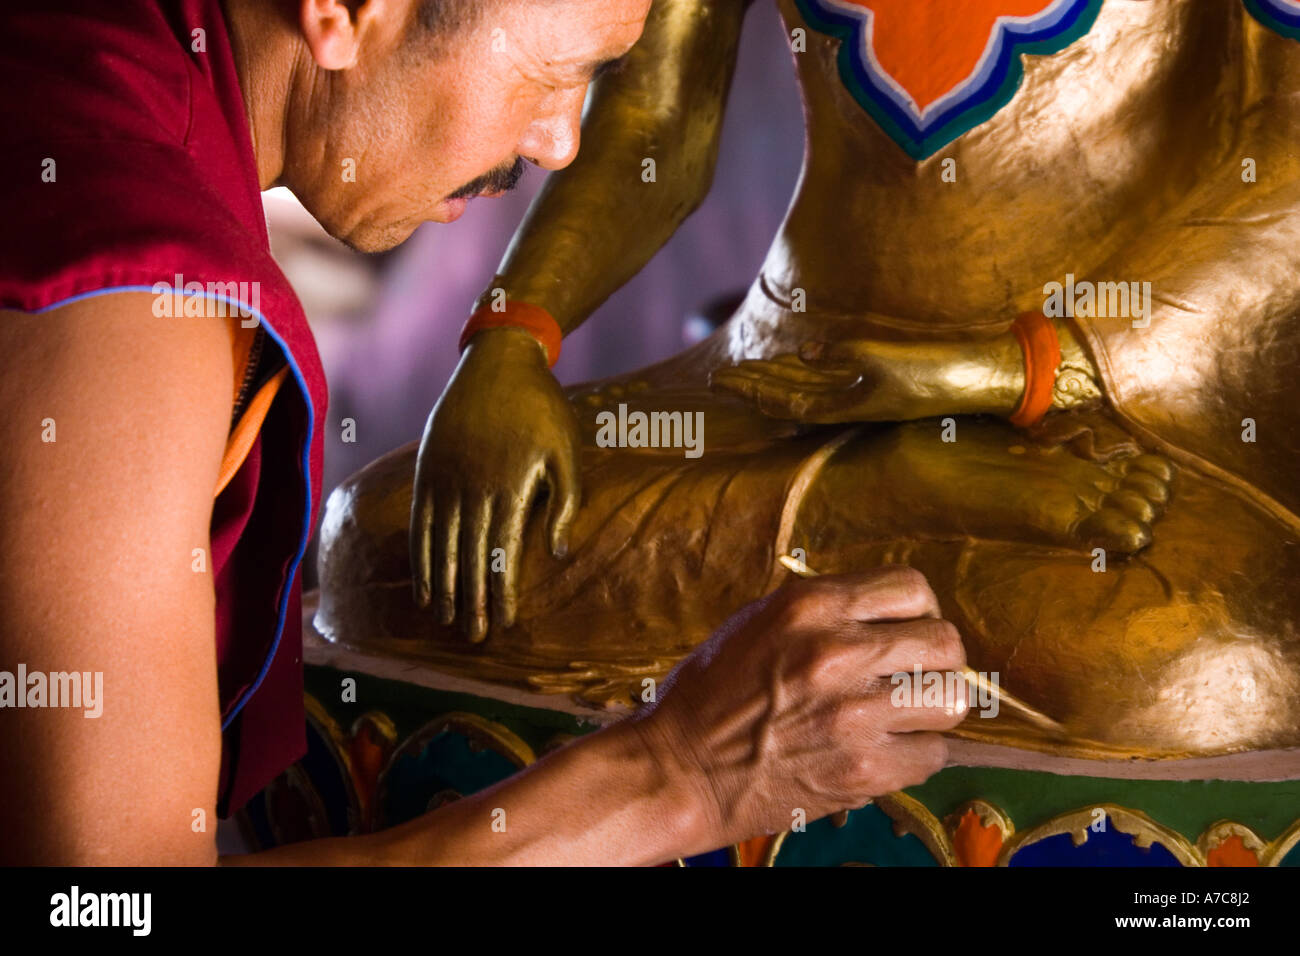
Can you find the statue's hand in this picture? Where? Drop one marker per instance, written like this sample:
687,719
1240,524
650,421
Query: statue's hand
865,380
841,382
501,430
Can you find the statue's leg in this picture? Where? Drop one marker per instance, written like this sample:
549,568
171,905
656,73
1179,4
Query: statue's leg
982,478
666,546
1189,646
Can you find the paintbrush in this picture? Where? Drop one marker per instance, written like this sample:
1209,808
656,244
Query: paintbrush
1013,704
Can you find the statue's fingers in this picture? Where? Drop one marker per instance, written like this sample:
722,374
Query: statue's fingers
446,535
420,542
753,388
774,388
779,400
789,360
793,372
476,520
508,521
566,492
734,379
827,406
807,403
828,355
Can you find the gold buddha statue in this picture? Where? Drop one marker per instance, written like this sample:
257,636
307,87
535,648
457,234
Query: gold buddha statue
1130,168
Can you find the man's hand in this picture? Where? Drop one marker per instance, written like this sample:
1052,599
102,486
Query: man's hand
868,380
500,431
788,707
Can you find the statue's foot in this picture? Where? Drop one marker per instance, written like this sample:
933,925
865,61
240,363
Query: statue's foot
992,482
1134,493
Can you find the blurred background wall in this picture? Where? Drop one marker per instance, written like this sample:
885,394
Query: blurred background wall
387,325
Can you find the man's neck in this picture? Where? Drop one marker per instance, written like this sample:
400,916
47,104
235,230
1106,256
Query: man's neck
265,60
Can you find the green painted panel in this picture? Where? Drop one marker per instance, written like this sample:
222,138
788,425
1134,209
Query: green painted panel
1188,806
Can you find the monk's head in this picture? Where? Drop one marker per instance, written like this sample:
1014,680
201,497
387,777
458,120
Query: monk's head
382,114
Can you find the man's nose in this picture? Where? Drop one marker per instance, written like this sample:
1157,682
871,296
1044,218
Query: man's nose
551,140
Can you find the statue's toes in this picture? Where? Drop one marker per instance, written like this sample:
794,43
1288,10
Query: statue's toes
1157,465
1136,495
1148,486
1134,504
1114,530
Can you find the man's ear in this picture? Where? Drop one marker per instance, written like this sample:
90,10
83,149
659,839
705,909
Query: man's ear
333,29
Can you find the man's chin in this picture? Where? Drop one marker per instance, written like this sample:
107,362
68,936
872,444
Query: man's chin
366,237
371,239
449,210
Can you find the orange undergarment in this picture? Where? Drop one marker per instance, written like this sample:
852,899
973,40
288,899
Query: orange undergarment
244,432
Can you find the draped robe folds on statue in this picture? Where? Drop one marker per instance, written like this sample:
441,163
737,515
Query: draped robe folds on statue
1187,648
664,549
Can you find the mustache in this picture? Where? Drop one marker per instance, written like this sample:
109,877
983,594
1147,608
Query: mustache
501,179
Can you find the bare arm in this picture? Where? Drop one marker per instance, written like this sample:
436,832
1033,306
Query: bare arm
601,800
97,545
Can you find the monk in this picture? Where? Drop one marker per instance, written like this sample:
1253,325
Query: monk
164,413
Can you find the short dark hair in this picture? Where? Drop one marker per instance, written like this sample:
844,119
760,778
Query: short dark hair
447,16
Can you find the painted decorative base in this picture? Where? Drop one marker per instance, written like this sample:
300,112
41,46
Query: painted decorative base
398,741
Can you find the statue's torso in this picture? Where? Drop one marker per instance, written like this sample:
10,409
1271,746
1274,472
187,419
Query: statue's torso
1097,139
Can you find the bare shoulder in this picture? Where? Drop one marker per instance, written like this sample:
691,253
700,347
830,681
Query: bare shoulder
113,429
107,407
104,343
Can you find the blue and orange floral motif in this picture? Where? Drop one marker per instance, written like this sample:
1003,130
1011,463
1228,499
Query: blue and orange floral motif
928,71
1280,15
373,776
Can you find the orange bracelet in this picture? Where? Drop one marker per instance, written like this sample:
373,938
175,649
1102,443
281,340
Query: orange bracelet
533,319
1042,349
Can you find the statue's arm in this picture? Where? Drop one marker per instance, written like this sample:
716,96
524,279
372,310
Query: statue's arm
503,426
597,223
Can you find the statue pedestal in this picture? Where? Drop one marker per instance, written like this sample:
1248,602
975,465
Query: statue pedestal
388,740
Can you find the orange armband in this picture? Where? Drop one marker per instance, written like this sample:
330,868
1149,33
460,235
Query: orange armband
1042,349
533,319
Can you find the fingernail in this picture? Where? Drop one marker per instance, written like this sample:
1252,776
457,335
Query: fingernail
447,611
